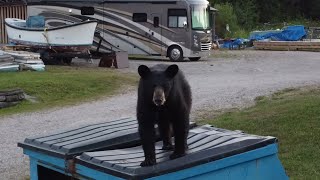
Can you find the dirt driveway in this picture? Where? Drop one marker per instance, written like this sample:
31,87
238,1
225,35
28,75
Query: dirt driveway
228,80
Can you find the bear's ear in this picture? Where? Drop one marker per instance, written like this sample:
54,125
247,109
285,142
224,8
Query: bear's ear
143,71
172,70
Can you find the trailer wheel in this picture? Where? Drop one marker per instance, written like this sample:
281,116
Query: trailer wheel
175,53
48,59
44,55
194,58
67,60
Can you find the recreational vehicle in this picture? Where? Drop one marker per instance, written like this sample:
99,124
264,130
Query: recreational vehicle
174,28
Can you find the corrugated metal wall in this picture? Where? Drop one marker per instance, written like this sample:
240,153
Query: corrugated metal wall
10,11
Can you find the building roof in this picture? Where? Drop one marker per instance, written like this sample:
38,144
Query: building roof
121,1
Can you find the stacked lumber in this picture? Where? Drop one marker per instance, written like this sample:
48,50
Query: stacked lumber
5,58
20,54
6,63
20,60
16,48
11,97
287,45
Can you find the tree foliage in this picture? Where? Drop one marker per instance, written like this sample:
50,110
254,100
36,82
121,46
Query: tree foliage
274,10
246,12
226,18
252,13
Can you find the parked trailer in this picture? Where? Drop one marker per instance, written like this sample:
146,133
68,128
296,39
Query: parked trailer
55,44
172,28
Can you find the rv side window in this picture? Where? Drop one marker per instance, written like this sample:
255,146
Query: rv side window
87,10
139,17
176,17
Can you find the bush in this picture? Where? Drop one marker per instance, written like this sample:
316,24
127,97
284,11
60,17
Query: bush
241,33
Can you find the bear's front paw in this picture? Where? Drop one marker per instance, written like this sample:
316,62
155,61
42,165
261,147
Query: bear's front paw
167,147
148,162
176,155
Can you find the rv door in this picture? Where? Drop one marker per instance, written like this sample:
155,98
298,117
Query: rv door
155,34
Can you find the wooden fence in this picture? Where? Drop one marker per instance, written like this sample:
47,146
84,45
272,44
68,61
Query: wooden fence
10,11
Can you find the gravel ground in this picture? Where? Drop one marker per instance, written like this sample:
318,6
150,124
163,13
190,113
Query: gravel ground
229,80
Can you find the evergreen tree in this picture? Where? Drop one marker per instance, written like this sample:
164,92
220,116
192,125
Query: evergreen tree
246,12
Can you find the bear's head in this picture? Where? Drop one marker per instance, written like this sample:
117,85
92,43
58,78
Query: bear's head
158,80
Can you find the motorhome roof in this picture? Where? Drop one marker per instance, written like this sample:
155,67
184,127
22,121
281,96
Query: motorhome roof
124,1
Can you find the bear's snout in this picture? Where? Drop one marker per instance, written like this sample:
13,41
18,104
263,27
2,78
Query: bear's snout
158,96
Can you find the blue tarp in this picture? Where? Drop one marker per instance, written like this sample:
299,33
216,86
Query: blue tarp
290,33
234,44
35,22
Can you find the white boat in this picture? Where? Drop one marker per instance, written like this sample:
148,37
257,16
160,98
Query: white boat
77,36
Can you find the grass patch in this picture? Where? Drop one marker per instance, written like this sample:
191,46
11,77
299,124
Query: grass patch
62,85
293,116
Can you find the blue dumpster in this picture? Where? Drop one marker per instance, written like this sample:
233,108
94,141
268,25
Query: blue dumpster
51,156
112,151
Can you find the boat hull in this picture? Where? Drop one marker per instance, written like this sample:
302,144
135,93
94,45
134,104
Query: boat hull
70,37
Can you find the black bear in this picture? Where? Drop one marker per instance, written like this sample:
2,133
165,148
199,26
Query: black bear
164,98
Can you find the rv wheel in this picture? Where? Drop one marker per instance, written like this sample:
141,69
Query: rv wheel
175,53
195,59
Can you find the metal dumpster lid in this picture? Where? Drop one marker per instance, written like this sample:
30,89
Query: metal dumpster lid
206,143
119,133
107,135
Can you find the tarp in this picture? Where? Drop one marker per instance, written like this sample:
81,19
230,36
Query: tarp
234,44
35,22
290,33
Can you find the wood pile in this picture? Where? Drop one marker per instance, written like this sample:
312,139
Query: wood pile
16,48
5,58
287,45
11,97
13,60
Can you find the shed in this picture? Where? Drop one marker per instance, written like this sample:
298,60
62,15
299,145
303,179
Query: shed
10,9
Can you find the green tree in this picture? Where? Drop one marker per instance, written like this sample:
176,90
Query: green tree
247,15
226,16
246,12
269,11
311,9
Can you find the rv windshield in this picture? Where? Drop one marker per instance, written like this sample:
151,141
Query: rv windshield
200,17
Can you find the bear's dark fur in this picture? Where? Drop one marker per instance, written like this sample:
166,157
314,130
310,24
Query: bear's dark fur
164,98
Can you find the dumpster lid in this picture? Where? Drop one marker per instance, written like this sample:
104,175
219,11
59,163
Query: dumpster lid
115,134
107,135
206,143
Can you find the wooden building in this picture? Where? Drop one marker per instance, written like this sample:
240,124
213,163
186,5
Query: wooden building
10,9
